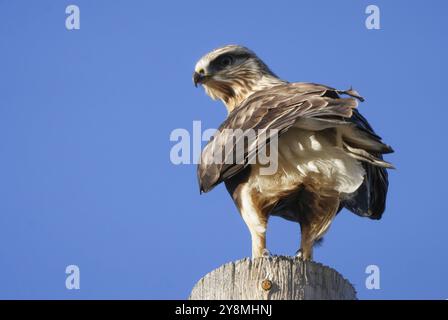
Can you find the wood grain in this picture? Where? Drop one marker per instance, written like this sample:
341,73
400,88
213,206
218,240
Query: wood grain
287,278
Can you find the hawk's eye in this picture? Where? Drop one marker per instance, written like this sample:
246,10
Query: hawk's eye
225,61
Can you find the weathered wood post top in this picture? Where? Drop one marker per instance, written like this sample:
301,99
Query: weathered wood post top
273,278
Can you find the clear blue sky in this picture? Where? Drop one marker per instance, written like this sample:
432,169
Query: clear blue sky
85,120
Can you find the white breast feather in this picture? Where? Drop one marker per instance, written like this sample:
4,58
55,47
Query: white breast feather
302,153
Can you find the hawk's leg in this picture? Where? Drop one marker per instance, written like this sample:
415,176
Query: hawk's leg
252,210
306,243
256,222
257,228
316,214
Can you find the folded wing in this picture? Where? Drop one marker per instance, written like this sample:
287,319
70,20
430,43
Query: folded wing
307,106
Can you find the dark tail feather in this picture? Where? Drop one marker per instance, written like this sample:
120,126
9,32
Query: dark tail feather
370,199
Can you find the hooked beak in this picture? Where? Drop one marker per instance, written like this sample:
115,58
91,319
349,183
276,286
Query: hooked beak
198,78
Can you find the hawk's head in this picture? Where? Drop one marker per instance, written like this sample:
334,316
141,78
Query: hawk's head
232,73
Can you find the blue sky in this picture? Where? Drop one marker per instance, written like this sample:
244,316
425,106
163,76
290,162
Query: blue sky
85,120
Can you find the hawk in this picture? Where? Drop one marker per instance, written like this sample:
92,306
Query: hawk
328,156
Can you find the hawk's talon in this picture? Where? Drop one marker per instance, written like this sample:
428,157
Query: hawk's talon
266,253
299,255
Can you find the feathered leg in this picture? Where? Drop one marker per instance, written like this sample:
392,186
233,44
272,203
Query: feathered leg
306,243
256,223
253,214
317,213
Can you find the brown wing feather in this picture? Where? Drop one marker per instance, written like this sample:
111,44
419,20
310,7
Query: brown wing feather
279,108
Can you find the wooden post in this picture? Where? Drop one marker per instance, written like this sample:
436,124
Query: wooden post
273,278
